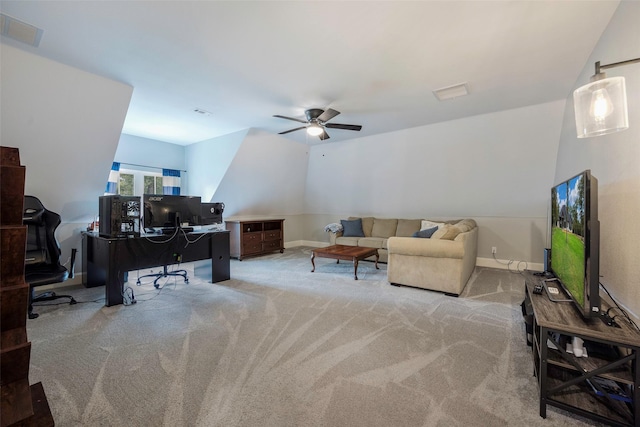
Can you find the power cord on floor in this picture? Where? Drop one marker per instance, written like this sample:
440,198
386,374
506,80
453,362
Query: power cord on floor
510,262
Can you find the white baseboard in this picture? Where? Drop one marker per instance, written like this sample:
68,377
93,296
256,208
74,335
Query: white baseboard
311,243
505,264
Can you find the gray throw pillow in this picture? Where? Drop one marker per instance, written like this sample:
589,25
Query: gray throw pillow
425,233
352,228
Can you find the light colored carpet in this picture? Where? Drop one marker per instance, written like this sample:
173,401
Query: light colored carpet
278,345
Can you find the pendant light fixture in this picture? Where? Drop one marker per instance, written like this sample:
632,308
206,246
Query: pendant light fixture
601,105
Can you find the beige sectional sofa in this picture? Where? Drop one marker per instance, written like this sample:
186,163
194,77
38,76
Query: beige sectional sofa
444,262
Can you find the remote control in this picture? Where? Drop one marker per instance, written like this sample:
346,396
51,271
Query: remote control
537,289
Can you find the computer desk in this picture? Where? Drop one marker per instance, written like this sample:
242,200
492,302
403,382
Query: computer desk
107,261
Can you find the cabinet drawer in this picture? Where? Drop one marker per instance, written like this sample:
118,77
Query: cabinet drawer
251,238
271,245
251,248
272,235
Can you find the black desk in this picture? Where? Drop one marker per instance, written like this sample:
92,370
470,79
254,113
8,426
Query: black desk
107,261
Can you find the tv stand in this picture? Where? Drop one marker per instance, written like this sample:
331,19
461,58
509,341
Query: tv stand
575,383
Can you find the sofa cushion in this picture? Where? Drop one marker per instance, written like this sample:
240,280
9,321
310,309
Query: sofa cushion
425,233
373,242
406,227
352,228
384,227
367,224
425,223
347,241
446,232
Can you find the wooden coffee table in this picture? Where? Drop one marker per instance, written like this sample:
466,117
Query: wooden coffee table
347,253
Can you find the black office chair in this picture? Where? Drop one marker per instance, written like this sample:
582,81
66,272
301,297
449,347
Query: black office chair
42,260
165,273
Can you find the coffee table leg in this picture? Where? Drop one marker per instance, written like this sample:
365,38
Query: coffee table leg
355,268
377,256
313,255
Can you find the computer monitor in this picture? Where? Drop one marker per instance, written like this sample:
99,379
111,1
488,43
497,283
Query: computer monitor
170,211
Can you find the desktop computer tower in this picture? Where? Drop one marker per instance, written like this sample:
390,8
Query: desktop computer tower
119,216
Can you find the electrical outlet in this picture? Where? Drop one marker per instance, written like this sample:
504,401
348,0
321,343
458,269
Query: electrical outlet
494,249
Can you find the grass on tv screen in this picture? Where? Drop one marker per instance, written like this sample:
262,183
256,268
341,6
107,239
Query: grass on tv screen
567,261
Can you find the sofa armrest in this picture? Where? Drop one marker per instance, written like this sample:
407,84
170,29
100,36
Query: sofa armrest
333,236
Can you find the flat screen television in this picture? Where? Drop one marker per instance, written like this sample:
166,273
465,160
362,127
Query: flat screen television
575,241
211,213
170,211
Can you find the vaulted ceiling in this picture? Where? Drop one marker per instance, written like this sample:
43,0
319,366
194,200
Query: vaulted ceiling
376,62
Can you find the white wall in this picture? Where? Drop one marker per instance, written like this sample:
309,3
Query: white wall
208,162
150,152
66,124
497,168
613,159
266,178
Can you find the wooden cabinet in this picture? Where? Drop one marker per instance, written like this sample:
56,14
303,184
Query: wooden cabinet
255,237
577,384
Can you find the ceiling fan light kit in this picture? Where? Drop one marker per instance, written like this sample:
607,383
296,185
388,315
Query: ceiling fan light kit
314,129
316,123
601,105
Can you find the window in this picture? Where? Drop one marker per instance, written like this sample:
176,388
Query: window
138,181
152,184
126,184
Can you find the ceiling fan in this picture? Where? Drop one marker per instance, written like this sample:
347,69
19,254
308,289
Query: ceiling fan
317,122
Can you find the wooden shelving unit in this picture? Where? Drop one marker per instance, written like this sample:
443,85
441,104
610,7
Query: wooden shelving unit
566,381
255,237
21,404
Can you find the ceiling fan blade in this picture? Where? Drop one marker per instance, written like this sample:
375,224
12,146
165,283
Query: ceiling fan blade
289,118
341,126
328,115
324,135
292,130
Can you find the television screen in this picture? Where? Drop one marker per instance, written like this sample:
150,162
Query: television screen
167,211
575,240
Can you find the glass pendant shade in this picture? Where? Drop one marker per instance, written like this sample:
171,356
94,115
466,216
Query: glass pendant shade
314,130
601,107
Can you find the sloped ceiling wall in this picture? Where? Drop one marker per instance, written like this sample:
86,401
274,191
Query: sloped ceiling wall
614,159
265,178
208,163
498,164
66,123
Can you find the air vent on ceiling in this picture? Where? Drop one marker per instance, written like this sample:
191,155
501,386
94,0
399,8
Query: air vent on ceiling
451,92
21,31
201,111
